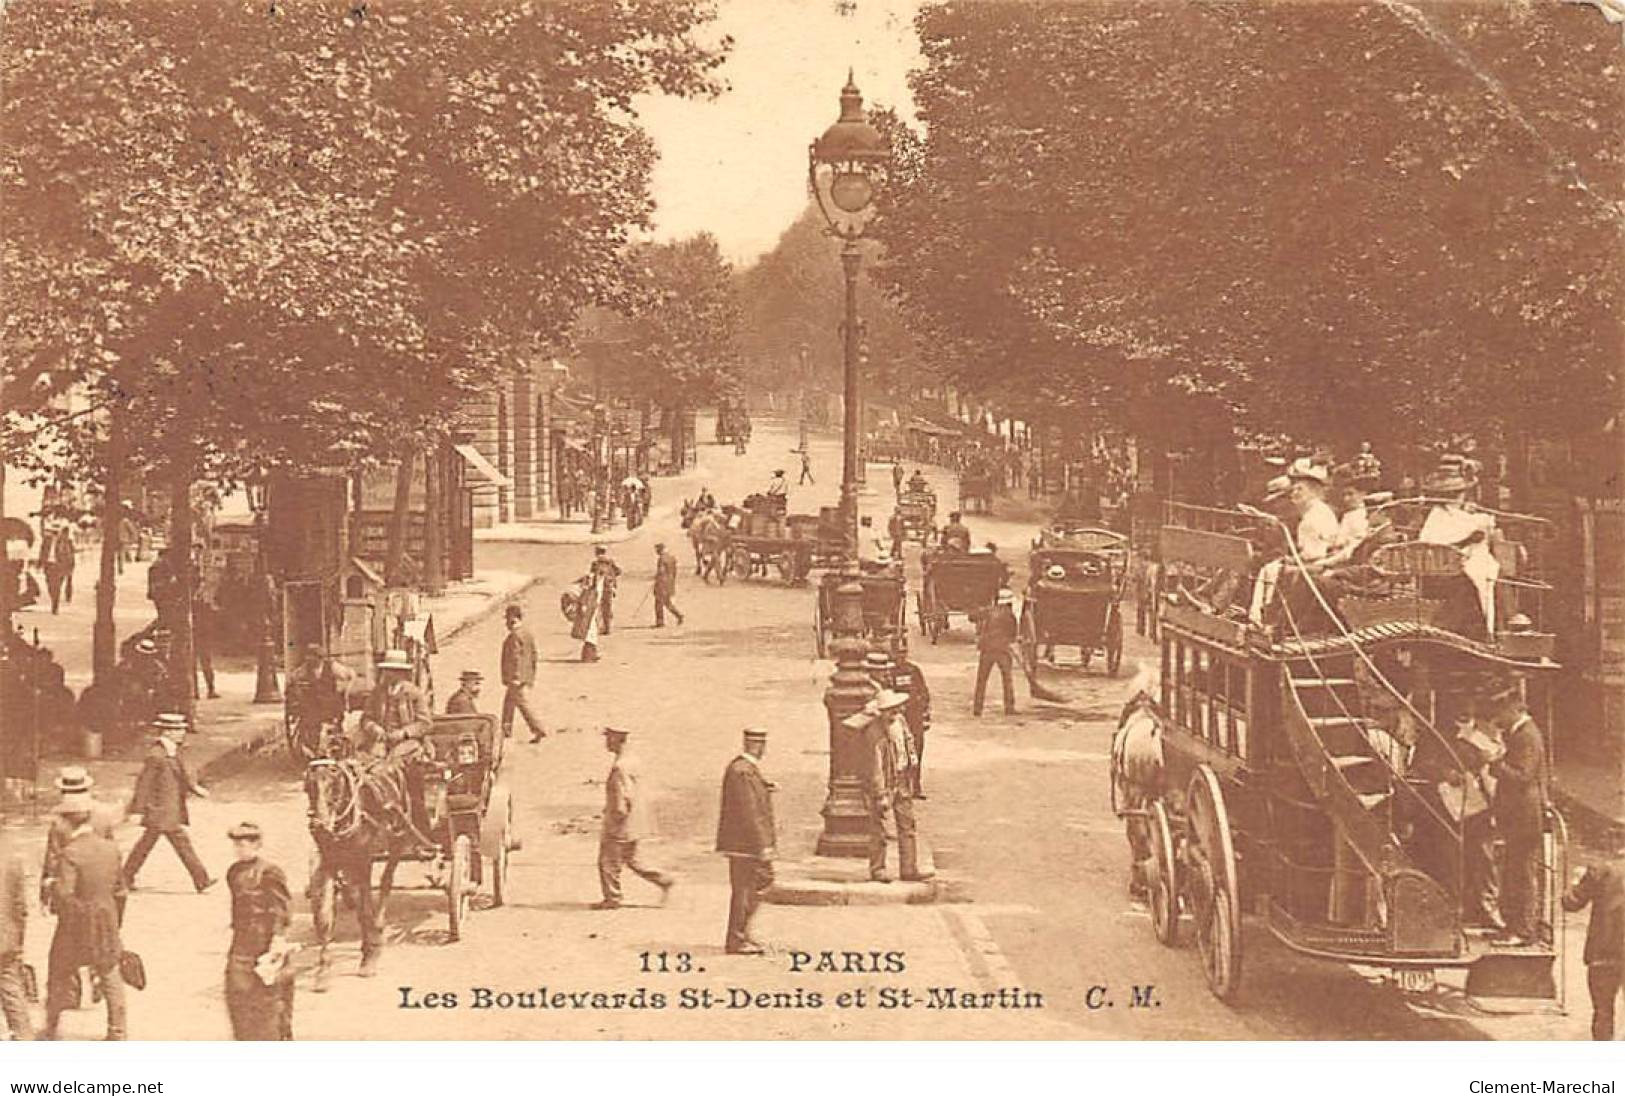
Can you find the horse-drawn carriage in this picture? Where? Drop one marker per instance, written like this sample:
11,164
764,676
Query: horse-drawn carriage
977,487
885,604
1300,773
1074,592
957,582
442,804
918,512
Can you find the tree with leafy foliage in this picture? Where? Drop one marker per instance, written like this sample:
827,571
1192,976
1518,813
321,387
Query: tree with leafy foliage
301,233
1375,221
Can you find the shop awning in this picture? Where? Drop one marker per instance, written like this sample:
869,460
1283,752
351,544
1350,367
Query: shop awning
477,460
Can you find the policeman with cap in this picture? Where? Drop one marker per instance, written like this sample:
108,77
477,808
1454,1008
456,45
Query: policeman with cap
462,702
747,836
998,631
259,984
623,826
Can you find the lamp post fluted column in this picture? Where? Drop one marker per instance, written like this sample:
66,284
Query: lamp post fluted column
851,259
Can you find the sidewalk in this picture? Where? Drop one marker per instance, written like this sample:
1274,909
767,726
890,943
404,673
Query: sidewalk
669,490
232,725
1592,800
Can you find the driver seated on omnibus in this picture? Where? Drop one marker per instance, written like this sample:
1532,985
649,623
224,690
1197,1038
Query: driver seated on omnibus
955,535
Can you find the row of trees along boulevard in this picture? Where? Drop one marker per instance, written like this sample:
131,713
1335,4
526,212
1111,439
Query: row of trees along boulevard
306,244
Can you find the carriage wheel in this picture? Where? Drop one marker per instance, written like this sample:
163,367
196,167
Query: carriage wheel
819,642
499,862
460,883
1211,883
919,611
1114,643
1165,886
739,560
1029,635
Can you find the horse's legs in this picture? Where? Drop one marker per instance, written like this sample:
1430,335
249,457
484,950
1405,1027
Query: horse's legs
369,917
323,897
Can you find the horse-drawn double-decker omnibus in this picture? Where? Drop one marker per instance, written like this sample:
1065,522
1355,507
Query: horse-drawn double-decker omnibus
1315,764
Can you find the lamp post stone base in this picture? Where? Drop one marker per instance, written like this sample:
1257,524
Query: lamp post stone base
846,814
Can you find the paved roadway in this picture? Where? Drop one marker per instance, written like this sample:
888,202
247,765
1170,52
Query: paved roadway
1018,812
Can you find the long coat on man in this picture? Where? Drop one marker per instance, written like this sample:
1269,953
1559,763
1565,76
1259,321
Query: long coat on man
161,791
519,657
746,826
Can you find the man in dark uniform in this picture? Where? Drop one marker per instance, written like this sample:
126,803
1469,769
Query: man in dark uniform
993,639
319,693
1602,887
746,835
610,571
665,586
89,901
463,701
908,679
259,918
160,796
1520,803
897,477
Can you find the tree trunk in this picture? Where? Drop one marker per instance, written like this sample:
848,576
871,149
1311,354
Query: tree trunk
182,668
104,634
400,516
679,450
434,528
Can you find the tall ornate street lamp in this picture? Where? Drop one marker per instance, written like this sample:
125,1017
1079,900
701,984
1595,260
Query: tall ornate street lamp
845,167
266,689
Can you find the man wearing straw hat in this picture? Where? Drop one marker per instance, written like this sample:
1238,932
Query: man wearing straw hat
889,783
397,713
747,836
259,987
463,701
623,826
160,796
89,896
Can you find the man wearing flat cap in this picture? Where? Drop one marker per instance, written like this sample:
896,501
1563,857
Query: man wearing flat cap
259,985
665,586
463,701
747,836
1519,807
623,826
160,796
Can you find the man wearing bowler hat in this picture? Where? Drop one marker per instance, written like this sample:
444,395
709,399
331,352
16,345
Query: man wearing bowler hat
160,796
259,986
462,702
623,826
519,674
747,836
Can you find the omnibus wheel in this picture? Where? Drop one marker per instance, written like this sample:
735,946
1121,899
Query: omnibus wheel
1114,643
1165,883
1212,884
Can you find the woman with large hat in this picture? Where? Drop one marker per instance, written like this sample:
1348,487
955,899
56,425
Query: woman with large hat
1456,523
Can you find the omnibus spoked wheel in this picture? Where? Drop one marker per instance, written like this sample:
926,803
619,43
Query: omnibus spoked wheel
1211,883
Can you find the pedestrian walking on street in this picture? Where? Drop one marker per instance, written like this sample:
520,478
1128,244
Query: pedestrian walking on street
888,784
608,572
57,557
1521,798
806,469
589,598
1602,887
993,640
746,834
519,674
463,701
89,901
623,826
13,925
160,798
205,631
665,586
897,477
259,984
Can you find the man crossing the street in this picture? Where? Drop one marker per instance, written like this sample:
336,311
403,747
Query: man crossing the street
624,812
897,477
665,586
259,985
160,796
993,642
806,468
747,836
519,674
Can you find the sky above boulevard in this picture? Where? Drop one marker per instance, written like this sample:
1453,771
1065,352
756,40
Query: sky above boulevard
737,166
